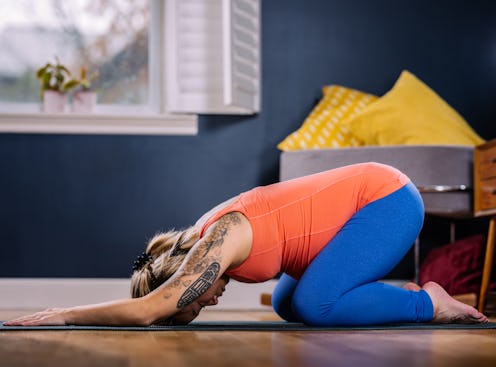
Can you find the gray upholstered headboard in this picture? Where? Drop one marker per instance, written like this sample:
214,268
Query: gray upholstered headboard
442,173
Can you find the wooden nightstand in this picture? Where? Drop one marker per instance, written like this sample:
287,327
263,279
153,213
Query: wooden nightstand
485,205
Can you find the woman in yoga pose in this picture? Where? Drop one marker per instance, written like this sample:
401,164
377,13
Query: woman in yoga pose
330,235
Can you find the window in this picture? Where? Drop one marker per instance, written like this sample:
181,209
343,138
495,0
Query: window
107,36
154,58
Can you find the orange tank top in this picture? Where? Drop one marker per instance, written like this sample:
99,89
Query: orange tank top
293,220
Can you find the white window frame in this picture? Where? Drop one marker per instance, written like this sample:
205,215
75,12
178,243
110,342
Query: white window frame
144,120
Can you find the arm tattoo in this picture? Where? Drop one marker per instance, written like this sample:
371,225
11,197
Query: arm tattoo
205,260
200,286
210,250
217,237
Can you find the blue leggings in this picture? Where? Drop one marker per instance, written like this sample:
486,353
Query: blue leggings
340,285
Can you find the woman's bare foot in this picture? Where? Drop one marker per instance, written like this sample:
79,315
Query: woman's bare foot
410,286
449,310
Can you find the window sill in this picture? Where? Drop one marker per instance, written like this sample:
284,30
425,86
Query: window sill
98,123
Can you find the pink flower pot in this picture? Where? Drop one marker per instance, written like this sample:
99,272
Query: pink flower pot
54,102
83,102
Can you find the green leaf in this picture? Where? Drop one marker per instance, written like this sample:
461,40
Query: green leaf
69,85
42,71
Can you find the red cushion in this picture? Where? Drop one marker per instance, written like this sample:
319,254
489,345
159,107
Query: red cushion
456,266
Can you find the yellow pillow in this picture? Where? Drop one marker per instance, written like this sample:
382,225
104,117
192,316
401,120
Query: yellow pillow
322,128
411,113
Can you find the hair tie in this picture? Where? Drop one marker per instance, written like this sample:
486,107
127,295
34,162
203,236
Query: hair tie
141,261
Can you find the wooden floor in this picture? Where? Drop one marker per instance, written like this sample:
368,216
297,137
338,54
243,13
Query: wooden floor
424,348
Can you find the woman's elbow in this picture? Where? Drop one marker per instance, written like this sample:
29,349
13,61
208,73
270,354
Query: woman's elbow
149,312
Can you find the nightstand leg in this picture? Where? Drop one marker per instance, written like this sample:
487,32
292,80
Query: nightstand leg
488,263
416,260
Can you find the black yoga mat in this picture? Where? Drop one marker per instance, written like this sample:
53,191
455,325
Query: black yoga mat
256,326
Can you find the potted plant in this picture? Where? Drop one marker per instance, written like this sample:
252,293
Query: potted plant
84,98
56,80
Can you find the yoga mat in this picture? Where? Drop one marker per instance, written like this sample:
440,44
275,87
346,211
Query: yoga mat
256,326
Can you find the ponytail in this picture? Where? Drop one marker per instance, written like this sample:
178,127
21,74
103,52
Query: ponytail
167,252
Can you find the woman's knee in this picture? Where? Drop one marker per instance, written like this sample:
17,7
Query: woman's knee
280,303
312,312
314,304
282,297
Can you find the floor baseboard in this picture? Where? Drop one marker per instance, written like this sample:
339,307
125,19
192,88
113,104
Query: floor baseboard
38,293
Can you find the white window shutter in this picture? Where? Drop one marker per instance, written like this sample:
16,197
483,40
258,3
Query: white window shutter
212,56
242,53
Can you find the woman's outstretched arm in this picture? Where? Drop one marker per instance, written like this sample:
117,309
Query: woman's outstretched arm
119,313
226,243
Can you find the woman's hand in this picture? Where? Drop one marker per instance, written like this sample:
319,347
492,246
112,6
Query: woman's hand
50,316
124,312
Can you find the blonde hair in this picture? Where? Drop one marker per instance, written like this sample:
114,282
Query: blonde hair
167,251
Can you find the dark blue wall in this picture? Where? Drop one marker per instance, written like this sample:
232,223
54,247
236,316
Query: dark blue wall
83,206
